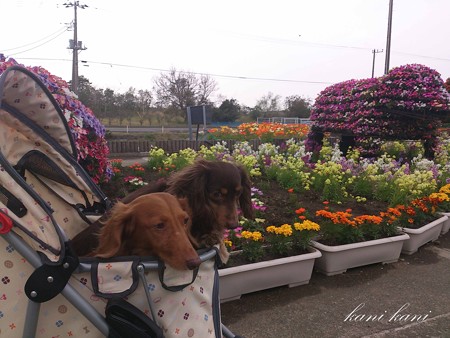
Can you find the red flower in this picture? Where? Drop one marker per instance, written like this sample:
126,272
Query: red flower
300,211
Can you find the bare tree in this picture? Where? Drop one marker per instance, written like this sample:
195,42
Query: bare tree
268,104
179,89
206,86
175,89
129,104
144,99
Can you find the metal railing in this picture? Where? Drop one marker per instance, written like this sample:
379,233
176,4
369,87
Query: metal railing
283,120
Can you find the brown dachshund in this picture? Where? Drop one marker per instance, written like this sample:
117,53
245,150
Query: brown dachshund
215,191
212,192
151,225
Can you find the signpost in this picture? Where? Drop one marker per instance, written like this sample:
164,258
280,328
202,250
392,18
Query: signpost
198,115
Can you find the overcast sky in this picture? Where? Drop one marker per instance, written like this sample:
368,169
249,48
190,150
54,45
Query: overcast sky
251,48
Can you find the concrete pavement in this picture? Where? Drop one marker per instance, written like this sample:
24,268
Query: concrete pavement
418,285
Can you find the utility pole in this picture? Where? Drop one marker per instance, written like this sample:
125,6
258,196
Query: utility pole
74,44
388,41
374,51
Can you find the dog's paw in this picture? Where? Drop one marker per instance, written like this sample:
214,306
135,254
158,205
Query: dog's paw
223,253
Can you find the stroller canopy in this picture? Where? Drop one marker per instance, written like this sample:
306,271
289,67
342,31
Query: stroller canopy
37,155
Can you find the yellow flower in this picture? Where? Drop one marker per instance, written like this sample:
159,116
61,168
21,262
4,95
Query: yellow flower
252,235
228,243
285,230
271,228
307,225
440,196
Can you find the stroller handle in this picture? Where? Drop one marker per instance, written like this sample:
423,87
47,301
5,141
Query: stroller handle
150,265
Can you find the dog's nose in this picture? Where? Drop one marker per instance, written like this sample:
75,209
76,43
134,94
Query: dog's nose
232,220
232,224
193,263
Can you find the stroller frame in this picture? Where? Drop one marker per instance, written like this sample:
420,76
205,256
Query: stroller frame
54,263
73,296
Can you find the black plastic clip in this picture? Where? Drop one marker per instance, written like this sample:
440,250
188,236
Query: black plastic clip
47,281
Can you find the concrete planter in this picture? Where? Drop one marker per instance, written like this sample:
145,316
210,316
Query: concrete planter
291,271
446,224
337,259
418,237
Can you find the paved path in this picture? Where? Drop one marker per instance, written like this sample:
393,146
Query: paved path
418,285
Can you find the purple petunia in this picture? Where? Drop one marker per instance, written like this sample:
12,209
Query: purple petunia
407,102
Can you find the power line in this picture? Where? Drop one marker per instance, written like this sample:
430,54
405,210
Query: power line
32,43
213,74
292,42
423,56
238,77
44,43
197,73
322,45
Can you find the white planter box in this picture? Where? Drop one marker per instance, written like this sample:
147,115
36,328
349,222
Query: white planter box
446,224
418,237
291,271
337,259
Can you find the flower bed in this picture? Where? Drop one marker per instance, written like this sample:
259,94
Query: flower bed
296,200
264,131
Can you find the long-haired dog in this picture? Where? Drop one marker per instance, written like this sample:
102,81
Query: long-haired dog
150,225
212,193
215,191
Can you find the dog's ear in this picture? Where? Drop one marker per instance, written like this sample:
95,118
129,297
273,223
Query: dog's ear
190,182
112,233
245,200
184,203
198,194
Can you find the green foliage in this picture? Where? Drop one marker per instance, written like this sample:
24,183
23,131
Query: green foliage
338,234
362,185
297,106
383,190
271,172
333,190
279,245
228,111
289,179
329,179
406,150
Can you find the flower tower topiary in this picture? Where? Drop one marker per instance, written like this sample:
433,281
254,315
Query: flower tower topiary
86,129
408,103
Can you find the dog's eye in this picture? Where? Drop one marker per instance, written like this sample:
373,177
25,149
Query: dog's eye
160,226
217,194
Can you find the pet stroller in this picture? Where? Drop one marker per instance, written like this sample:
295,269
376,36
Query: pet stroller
46,198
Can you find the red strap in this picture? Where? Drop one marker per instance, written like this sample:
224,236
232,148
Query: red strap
6,223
